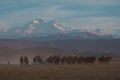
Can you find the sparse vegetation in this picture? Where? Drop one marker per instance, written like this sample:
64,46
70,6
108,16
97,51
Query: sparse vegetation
61,72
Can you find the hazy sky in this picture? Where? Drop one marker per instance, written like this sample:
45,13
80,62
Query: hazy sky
71,13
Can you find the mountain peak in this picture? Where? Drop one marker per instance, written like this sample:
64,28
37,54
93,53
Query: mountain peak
37,21
103,31
59,26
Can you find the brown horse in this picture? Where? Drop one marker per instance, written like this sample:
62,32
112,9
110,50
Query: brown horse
104,60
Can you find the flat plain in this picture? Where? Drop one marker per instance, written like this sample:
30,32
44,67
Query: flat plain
61,72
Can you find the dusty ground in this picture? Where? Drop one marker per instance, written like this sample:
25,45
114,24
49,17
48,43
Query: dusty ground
61,72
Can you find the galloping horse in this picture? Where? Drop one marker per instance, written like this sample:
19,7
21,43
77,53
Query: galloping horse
37,60
70,59
104,59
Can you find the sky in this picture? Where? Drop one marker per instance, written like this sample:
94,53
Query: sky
75,14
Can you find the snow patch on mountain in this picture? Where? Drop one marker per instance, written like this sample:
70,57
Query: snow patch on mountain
59,26
35,21
29,30
100,31
103,31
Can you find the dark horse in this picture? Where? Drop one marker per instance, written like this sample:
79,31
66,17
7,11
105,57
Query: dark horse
54,59
104,60
21,60
26,60
37,60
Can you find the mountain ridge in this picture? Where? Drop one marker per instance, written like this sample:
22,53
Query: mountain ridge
41,28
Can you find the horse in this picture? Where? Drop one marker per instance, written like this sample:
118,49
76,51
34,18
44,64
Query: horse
104,60
21,60
26,60
37,60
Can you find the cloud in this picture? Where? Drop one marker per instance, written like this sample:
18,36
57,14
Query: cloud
80,2
94,2
3,25
93,23
48,13
78,13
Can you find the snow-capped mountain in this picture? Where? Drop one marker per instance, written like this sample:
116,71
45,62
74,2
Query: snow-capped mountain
106,33
36,27
101,31
43,28
50,30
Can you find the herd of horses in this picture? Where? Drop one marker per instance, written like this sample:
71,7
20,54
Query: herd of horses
66,60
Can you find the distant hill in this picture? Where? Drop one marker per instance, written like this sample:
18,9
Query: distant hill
12,49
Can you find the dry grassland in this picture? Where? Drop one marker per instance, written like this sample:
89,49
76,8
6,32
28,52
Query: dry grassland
61,72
